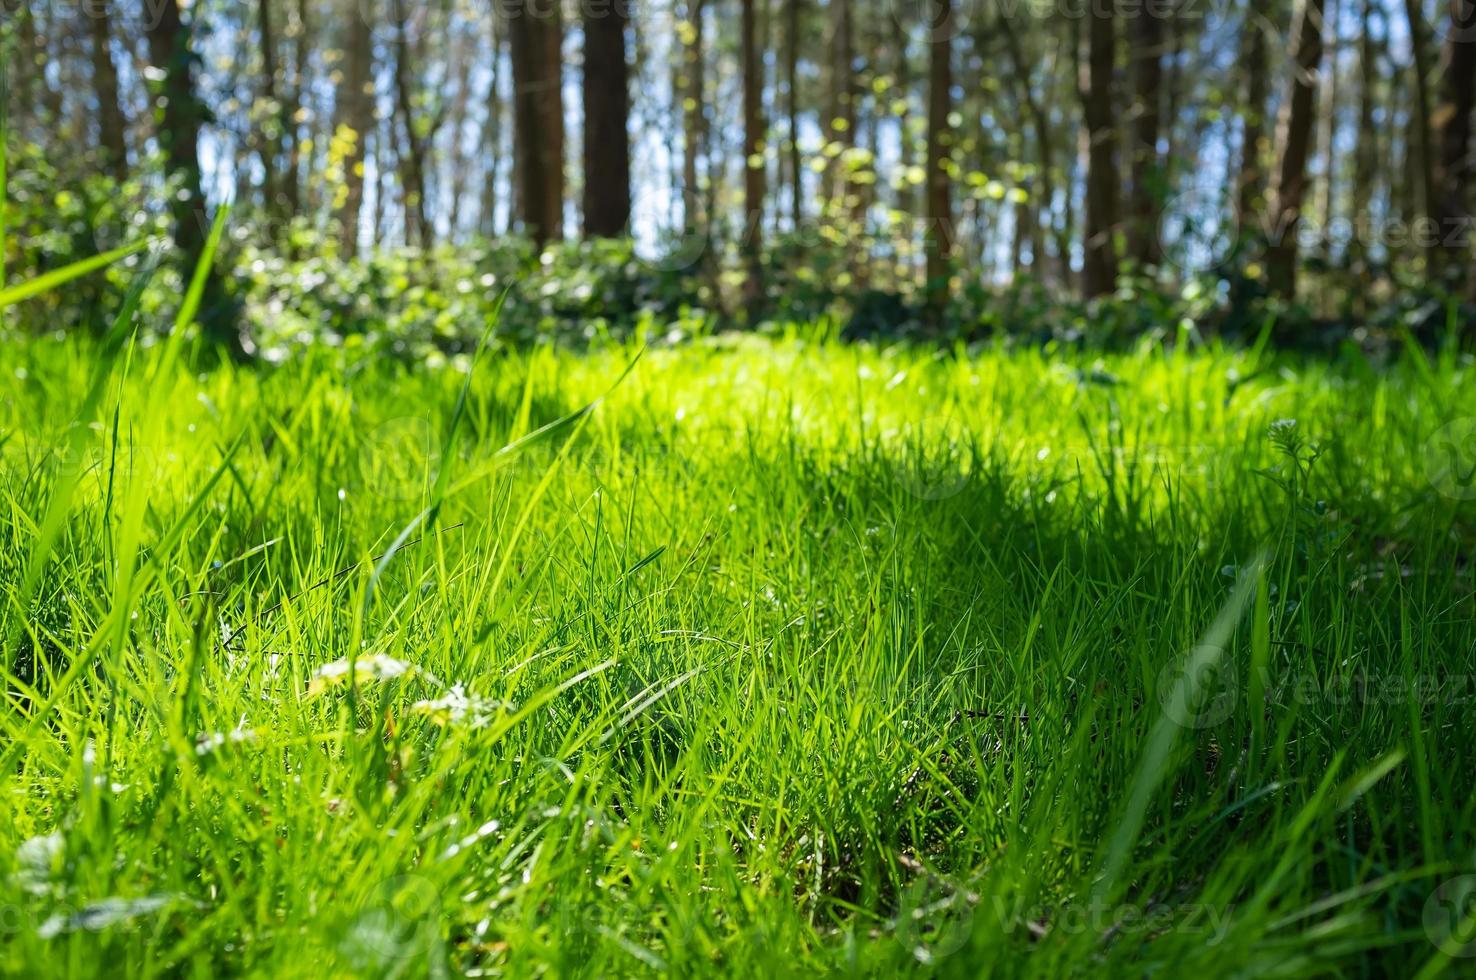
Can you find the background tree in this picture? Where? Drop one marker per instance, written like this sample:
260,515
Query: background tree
606,120
940,227
111,121
1296,128
1102,178
535,37
1456,165
179,117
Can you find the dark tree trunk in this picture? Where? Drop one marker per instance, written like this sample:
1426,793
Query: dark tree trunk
1251,182
791,78
1297,127
273,145
1455,165
753,162
694,125
179,116
1148,43
941,233
111,122
606,121
1102,181
535,36
1419,55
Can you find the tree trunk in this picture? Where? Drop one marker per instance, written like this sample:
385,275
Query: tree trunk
606,121
535,35
753,163
1147,193
694,126
791,75
1366,153
357,113
492,140
1102,181
1297,127
1456,163
1044,145
180,115
941,233
277,124
1419,55
110,119
413,159
1250,184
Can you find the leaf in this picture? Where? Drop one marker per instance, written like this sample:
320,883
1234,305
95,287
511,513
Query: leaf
57,277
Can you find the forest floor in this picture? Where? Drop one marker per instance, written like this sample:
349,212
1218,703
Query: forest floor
759,657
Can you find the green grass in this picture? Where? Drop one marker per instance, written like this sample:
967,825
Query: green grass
785,657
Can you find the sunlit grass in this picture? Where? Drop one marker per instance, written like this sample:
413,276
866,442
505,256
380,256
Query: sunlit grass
787,656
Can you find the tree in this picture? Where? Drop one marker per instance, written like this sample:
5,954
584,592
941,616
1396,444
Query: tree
1251,182
753,161
414,157
278,122
1455,166
694,117
940,240
1102,179
1147,187
111,122
606,120
795,9
356,112
1420,66
535,38
179,116
1296,129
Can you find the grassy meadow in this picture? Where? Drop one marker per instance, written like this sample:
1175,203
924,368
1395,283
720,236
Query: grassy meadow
754,656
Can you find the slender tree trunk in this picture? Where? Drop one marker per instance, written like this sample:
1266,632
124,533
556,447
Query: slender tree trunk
277,124
492,136
357,113
1102,182
1366,154
1455,169
1044,143
413,159
606,121
791,78
112,124
1419,55
694,127
294,176
1147,192
1297,127
180,116
840,112
753,162
1251,182
941,232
